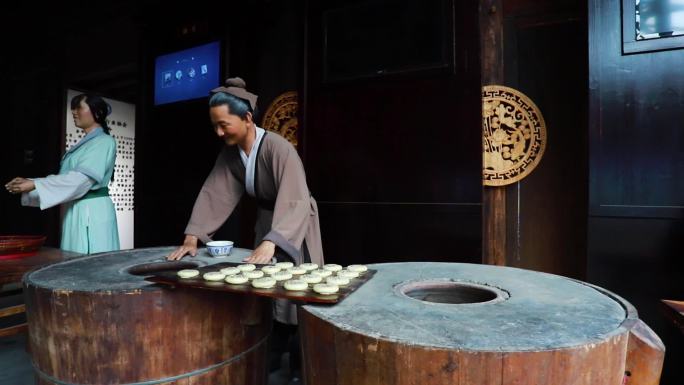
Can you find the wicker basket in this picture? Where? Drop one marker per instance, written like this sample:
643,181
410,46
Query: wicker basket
20,244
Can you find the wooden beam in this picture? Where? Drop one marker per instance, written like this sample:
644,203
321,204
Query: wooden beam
12,310
13,330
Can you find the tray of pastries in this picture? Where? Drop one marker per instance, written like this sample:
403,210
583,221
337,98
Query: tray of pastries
307,282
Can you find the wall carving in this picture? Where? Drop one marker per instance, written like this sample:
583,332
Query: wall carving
281,116
514,135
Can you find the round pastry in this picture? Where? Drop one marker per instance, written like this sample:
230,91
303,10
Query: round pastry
296,285
324,288
270,269
311,278
358,268
347,274
247,267
282,275
284,265
322,273
337,281
214,276
230,270
237,279
188,273
253,274
332,267
309,266
297,270
264,283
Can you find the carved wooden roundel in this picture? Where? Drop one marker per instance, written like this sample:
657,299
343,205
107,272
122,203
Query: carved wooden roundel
281,116
514,135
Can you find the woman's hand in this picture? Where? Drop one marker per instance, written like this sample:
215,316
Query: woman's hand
20,185
189,247
262,254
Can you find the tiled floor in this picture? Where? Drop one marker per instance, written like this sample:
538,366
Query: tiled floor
15,364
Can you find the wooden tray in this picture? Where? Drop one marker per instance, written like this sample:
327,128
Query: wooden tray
169,277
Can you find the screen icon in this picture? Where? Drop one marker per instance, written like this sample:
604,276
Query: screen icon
167,79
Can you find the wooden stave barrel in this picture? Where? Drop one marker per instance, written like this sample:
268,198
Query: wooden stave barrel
335,353
146,333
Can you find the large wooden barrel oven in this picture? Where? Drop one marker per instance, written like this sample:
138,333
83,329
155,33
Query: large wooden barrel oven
95,320
449,323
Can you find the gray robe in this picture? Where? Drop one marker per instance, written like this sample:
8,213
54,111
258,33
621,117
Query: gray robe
287,214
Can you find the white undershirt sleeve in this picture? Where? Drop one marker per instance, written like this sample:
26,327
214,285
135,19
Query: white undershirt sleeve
30,198
55,189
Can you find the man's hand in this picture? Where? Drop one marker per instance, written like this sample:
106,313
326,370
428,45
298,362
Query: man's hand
262,254
189,247
20,185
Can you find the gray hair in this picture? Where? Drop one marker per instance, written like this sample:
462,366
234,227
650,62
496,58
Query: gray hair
236,106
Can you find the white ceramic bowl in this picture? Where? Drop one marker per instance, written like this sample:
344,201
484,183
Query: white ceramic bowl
219,249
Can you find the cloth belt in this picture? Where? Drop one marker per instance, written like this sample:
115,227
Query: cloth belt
101,192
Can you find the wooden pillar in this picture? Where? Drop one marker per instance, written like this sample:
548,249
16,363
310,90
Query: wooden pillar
493,198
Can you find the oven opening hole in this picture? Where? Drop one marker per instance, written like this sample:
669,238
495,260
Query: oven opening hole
448,292
155,267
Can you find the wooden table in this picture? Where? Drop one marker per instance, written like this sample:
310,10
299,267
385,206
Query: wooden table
675,311
12,271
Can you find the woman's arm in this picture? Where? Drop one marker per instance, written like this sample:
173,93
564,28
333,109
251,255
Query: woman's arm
51,190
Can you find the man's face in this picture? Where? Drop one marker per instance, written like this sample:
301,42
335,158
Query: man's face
228,127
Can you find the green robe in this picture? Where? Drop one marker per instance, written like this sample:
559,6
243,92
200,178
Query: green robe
89,225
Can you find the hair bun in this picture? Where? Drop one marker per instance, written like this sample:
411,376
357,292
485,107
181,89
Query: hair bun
236,82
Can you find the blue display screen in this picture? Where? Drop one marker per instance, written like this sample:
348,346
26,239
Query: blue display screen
187,74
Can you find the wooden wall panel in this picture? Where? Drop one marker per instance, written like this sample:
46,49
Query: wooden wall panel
394,159
547,210
637,109
636,106
377,232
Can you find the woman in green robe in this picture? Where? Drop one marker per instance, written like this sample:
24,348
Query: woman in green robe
89,224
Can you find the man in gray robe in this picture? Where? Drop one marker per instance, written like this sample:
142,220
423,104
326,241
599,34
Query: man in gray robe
267,167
